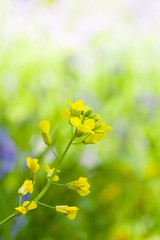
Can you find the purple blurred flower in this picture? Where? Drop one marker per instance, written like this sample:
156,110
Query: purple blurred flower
8,153
19,223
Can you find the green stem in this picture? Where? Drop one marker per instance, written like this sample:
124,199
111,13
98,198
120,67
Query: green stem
54,152
54,172
59,184
45,205
7,219
34,186
20,200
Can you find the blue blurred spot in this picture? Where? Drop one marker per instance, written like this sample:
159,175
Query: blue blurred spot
8,153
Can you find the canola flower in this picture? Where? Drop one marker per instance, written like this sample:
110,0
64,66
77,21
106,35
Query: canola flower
33,166
81,186
87,126
69,212
27,206
25,188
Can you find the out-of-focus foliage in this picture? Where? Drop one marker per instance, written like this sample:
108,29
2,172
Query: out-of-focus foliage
106,53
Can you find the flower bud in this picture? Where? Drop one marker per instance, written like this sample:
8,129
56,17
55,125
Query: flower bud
88,113
44,126
92,116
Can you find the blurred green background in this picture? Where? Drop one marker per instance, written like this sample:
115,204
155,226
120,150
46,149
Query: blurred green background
107,54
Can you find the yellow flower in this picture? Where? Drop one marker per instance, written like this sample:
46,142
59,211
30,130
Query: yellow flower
44,126
34,166
81,186
26,187
102,126
87,126
26,206
98,132
74,116
77,106
50,171
69,212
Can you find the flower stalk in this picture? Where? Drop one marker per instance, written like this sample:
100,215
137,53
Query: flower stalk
44,190
85,125
40,195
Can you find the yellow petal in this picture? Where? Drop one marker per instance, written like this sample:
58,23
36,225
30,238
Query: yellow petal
84,108
90,123
33,165
65,113
94,138
78,103
75,121
70,103
21,210
83,128
27,205
32,206
83,191
44,126
103,126
82,181
71,216
69,212
25,188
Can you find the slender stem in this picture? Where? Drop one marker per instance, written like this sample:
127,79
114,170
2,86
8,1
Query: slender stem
20,200
54,152
59,184
34,186
71,130
45,205
54,172
7,219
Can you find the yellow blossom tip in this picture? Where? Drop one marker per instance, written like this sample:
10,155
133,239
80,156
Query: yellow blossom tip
44,126
33,166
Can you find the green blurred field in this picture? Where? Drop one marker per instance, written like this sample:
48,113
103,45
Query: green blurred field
107,54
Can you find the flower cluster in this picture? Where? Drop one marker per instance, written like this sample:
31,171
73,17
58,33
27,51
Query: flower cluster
88,125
